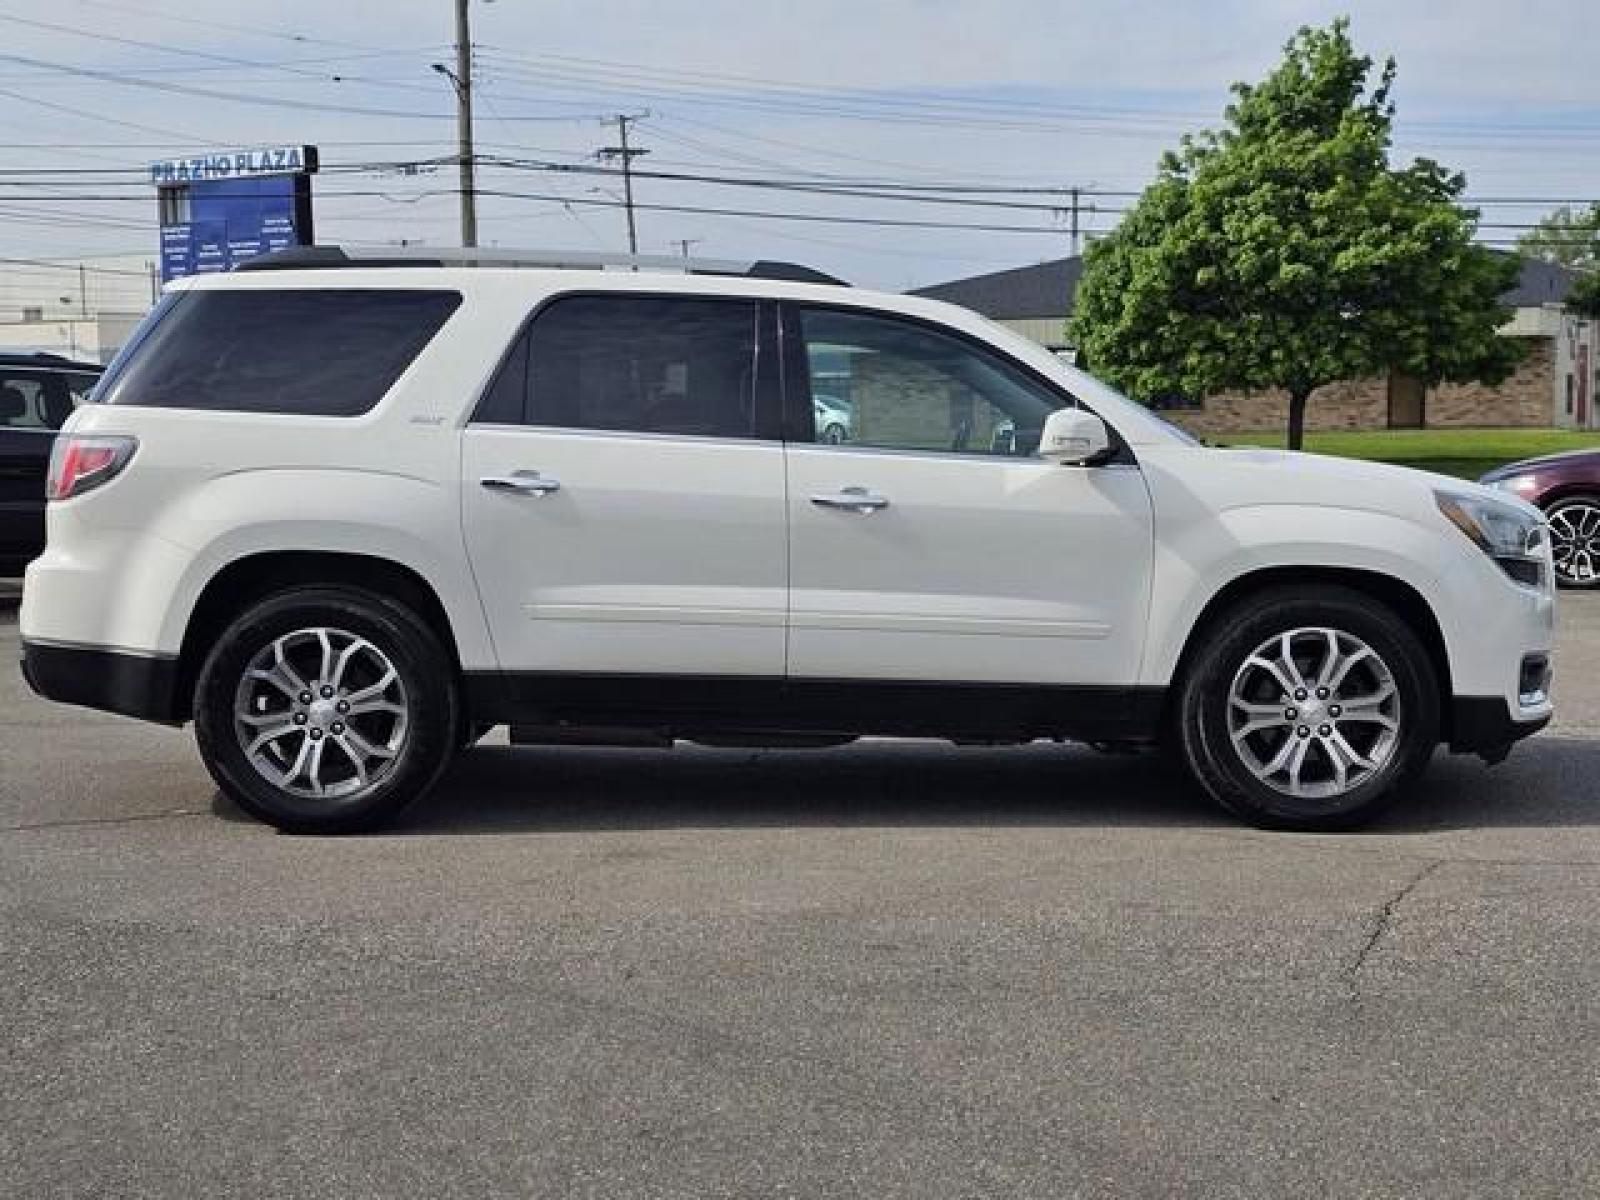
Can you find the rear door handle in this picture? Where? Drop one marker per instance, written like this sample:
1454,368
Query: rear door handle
852,499
527,483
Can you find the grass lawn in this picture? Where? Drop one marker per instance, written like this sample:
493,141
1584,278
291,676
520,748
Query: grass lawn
1466,453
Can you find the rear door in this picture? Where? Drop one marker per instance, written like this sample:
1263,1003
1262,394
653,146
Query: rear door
624,500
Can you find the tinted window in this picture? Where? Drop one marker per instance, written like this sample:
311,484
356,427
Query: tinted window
506,400
681,365
80,385
878,381
323,352
35,399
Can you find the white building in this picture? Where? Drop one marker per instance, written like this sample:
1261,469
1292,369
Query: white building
82,308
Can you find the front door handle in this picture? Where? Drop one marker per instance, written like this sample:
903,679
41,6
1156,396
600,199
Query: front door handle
852,499
527,483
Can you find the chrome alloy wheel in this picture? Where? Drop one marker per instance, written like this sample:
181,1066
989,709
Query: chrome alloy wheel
1314,713
321,714
1575,542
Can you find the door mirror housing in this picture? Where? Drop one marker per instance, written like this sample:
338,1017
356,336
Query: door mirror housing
1074,437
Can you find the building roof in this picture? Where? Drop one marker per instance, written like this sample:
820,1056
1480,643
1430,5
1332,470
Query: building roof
1045,290
1540,283
1042,290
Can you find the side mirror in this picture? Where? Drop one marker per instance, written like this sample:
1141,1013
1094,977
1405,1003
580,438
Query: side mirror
1073,437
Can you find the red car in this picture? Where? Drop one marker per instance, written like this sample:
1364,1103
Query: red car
1567,487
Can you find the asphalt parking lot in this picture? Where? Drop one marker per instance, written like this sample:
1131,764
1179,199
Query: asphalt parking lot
886,970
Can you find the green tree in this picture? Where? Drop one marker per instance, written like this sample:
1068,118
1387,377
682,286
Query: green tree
1584,298
1566,236
1285,251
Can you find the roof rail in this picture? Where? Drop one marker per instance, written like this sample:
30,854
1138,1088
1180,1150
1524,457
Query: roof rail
318,258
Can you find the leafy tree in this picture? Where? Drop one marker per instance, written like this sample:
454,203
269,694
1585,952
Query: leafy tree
1570,238
1584,298
1284,251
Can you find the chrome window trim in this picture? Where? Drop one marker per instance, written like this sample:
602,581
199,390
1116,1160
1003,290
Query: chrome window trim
624,434
970,456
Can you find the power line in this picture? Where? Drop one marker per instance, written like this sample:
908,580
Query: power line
869,98
880,222
101,118
181,89
198,22
74,267
225,59
923,107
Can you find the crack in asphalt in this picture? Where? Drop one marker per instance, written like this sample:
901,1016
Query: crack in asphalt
85,822
1385,919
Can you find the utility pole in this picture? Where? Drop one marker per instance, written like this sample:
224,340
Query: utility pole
627,154
1077,208
461,80
684,244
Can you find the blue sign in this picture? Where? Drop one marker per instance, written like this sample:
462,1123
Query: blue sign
218,210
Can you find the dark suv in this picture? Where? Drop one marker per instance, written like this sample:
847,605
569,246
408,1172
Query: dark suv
37,394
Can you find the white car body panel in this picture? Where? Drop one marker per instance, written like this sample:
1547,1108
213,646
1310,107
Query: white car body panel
677,567
991,569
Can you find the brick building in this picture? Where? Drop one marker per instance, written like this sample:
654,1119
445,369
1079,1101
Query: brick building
1554,386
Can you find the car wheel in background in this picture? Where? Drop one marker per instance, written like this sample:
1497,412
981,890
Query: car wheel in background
1308,708
326,710
1575,540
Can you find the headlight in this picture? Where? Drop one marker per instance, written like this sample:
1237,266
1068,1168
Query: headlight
1511,534
1520,485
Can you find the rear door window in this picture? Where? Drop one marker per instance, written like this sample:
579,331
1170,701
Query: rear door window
331,352
22,400
36,399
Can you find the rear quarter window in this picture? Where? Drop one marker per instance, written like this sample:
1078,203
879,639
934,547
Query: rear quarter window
332,352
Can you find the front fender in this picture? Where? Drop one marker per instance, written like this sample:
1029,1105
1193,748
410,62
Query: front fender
1197,557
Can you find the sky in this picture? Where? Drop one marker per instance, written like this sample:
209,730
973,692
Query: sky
888,96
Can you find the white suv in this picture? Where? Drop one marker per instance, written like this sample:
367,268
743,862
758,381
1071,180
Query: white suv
348,515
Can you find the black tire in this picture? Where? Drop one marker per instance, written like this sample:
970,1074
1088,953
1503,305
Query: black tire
424,670
1566,504
1202,713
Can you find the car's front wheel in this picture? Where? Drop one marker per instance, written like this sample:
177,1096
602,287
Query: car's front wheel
1308,708
326,709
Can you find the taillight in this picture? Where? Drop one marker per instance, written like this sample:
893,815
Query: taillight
82,462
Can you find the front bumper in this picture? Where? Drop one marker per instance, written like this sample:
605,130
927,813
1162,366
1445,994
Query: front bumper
118,681
1484,725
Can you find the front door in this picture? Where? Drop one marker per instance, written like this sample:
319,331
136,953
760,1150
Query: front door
624,512
930,544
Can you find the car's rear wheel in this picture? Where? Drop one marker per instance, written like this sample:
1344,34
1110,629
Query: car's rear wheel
326,710
1575,540
1308,709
